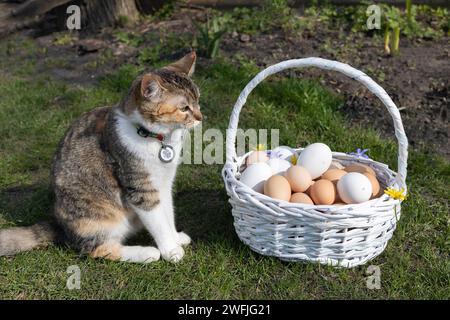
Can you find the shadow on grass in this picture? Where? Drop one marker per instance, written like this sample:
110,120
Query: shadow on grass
26,205
203,214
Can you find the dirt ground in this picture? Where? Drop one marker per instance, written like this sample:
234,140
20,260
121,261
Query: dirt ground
417,79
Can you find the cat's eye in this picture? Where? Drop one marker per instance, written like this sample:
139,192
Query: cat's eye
185,108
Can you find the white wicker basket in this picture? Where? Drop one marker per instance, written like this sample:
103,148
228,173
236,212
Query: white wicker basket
338,235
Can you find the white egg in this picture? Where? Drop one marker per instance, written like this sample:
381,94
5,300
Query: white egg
255,175
282,152
354,187
278,166
316,158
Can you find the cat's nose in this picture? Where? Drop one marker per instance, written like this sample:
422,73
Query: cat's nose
197,114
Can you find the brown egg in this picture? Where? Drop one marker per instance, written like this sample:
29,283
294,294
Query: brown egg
299,178
361,168
333,174
322,192
375,184
308,191
336,165
277,187
301,197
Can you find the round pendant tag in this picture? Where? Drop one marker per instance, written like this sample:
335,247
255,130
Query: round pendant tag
166,153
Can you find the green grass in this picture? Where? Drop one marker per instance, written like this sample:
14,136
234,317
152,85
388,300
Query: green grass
36,111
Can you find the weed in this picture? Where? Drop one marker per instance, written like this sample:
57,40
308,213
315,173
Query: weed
129,38
122,21
149,54
272,14
166,11
65,39
210,34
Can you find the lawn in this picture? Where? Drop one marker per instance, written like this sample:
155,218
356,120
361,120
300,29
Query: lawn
36,111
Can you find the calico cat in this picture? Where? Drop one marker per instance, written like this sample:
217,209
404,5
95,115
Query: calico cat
113,173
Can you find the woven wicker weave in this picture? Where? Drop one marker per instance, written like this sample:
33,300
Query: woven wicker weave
338,235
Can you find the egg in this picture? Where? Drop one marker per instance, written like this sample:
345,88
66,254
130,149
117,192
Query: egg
256,156
316,158
299,178
279,166
300,197
277,187
333,174
360,168
323,192
354,187
375,184
308,191
335,165
282,152
255,175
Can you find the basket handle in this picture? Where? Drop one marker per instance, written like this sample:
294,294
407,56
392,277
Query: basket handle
327,65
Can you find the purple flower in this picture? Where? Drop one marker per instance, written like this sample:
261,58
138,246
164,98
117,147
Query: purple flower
360,153
274,154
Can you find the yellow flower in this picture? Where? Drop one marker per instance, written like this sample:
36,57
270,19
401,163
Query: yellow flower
294,159
396,193
261,147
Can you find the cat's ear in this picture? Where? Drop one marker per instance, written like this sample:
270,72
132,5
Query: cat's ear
185,65
150,87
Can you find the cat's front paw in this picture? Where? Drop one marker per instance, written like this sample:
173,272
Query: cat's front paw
151,254
183,239
174,255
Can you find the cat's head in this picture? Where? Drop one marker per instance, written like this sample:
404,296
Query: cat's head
167,96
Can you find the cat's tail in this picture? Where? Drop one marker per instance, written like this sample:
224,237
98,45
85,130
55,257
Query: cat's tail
18,239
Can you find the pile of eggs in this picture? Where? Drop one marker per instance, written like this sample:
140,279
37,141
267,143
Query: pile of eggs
314,179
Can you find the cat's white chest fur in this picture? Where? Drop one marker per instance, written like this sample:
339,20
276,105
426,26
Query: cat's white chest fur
147,149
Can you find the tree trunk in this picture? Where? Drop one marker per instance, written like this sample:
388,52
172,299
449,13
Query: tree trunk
100,13
51,15
97,14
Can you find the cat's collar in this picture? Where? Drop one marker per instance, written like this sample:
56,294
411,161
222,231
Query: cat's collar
145,134
167,152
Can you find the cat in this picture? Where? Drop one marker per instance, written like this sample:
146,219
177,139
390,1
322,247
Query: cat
113,172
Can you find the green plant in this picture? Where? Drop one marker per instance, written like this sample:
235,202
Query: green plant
387,40
396,40
65,39
122,21
248,66
416,21
166,11
129,38
392,20
149,54
271,15
210,34
409,11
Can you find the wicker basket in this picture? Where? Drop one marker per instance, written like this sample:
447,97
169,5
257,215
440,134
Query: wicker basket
338,235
